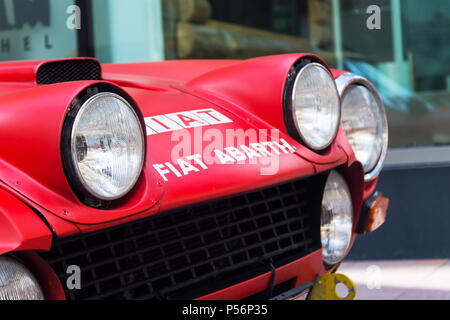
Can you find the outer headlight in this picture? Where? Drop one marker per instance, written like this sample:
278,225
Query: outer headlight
312,106
337,219
17,283
364,122
106,147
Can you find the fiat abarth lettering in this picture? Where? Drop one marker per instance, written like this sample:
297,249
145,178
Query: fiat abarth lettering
230,155
89,179
184,120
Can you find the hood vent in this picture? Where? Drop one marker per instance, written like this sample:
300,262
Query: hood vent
68,70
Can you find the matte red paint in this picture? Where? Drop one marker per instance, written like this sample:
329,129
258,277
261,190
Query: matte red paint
249,92
20,228
337,73
303,270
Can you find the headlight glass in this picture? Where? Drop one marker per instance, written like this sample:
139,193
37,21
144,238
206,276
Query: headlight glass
17,283
315,106
107,146
337,219
364,122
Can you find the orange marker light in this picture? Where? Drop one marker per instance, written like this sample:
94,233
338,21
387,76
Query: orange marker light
376,214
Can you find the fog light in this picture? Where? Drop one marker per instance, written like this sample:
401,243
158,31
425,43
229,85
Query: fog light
17,282
337,219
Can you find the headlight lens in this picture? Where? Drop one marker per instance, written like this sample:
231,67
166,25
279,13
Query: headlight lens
362,121
17,283
315,106
107,146
337,219
365,125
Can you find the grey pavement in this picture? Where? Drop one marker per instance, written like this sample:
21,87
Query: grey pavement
400,280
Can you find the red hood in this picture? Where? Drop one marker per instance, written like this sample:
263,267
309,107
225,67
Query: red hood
163,73
255,85
32,117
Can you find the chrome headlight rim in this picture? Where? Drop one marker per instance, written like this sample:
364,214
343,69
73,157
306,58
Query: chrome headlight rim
344,83
80,187
291,122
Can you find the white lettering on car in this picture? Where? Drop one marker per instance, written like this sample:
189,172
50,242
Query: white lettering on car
184,120
229,155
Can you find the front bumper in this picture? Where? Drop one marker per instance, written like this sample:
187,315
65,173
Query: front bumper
300,272
307,285
325,288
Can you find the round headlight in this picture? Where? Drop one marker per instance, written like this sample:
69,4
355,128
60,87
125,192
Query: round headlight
106,146
313,107
17,282
364,123
336,220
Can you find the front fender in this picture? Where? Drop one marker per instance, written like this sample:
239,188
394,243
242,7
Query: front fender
21,228
31,123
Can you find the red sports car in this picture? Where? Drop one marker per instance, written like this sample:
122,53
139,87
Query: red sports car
215,179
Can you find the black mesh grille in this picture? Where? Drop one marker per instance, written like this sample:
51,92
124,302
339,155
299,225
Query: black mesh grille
191,252
68,70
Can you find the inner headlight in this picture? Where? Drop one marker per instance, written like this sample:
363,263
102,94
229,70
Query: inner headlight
106,146
313,106
364,123
17,282
336,220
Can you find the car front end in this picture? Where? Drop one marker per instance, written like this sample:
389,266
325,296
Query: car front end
172,180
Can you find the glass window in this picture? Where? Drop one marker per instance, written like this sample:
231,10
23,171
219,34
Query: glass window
406,58
36,30
407,61
127,31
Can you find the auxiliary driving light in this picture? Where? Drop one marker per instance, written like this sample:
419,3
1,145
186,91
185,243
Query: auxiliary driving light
336,220
17,282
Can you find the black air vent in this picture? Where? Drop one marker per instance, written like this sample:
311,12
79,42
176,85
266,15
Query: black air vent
68,70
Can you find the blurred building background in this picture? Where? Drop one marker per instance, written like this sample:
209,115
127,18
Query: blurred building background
407,60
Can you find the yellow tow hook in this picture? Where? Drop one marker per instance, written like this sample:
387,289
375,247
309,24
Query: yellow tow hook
325,287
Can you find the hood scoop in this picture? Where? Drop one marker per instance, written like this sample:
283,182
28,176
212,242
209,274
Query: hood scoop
51,71
68,70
